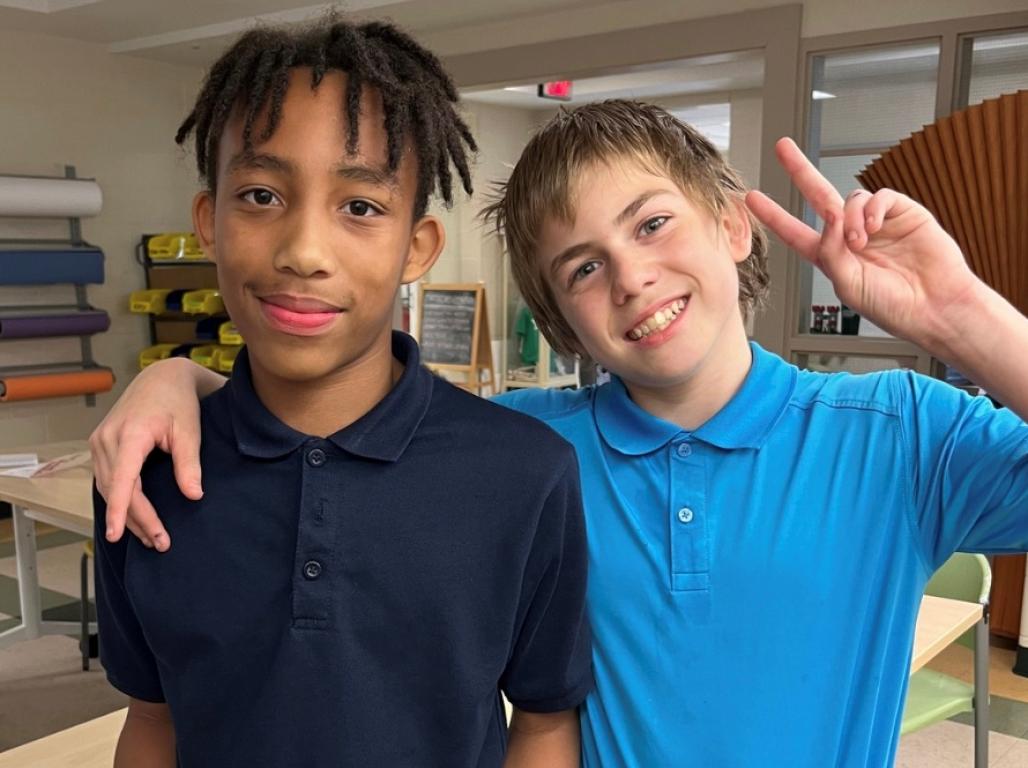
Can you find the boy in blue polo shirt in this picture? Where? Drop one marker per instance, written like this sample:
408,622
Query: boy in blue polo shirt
378,553
759,536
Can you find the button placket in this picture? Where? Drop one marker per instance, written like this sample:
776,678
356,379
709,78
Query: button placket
690,560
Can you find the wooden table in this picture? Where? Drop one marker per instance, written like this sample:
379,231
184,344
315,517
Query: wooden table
940,621
85,745
63,500
91,745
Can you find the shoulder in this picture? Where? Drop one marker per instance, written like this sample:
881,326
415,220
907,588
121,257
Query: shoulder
885,392
547,404
497,426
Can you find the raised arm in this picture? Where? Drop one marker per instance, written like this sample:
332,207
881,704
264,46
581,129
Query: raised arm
892,262
159,409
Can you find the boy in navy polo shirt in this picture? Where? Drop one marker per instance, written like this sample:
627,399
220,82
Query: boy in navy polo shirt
759,536
378,553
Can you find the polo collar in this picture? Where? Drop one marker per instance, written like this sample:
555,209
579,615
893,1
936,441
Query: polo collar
383,433
744,422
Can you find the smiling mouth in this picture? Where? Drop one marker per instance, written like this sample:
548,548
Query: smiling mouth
659,320
298,316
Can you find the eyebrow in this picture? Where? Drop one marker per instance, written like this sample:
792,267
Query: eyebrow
361,173
568,254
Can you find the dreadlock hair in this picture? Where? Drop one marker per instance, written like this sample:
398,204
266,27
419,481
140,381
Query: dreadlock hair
418,97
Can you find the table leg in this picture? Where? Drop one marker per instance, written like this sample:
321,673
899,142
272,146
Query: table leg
28,579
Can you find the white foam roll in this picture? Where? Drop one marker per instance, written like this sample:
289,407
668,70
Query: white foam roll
30,198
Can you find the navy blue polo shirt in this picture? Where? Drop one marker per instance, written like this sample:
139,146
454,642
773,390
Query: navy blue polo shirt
356,600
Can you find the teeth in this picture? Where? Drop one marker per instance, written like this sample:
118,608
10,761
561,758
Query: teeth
660,320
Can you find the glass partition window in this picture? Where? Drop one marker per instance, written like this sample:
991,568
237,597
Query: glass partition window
993,65
861,103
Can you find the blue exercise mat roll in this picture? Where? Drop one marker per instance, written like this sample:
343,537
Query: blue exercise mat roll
66,324
49,266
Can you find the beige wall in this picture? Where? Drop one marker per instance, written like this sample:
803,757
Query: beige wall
472,252
820,17
114,118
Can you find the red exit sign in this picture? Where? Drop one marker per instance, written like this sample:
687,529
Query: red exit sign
557,89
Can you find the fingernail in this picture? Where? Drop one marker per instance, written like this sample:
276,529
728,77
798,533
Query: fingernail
110,534
852,235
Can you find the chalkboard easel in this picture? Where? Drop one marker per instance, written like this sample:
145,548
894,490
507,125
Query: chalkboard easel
453,327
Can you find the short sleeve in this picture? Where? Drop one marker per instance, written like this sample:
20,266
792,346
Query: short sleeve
124,652
970,470
550,667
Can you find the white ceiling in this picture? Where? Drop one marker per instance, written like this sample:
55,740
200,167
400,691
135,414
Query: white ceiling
194,32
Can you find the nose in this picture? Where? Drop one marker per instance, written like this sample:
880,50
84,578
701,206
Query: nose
631,273
305,247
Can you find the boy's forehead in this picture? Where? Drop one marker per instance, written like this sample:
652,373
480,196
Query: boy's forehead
312,116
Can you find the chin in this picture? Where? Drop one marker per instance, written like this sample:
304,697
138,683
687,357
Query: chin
295,366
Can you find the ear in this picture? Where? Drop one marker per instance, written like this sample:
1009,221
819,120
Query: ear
203,223
736,226
426,243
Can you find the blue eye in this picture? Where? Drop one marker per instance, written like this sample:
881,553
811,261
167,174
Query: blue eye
652,225
260,196
584,271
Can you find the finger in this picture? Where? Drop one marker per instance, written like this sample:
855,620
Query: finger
100,465
814,187
185,459
885,202
837,260
121,482
790,230
854,218
143,516
136,531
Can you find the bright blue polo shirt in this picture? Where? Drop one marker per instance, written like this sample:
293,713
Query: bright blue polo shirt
754,584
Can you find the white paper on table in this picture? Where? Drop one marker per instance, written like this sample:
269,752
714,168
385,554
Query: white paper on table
18,459
59,464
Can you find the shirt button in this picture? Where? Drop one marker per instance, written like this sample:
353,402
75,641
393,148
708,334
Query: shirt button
311,570
684,450
685,515
316,457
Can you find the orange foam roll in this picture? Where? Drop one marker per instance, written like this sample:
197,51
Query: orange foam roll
66,384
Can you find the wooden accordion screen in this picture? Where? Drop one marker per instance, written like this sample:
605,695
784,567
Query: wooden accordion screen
970,169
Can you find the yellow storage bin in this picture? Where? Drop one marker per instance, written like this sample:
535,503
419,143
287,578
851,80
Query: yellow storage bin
174,246
225,358
155,353
148,302
206,301
229,334
204,355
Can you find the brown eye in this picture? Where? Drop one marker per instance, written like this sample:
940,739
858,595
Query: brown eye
361,208
261,197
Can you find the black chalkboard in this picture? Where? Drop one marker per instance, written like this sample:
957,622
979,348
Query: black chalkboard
448,325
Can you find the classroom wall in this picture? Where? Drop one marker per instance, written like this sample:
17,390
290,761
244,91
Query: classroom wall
114,118
820,17
472,251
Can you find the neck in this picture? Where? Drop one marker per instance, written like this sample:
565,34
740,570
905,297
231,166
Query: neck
695,400
325,405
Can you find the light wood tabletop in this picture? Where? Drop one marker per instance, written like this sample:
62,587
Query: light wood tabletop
65,498
940,621
87,745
